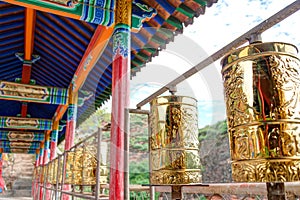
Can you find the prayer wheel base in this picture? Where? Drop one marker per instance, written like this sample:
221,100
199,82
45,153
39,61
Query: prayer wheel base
168,177
266,170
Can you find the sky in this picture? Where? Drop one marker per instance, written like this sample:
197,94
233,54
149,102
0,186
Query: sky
221,24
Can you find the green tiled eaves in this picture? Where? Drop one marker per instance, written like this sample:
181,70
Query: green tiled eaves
185,10
174,22
201,2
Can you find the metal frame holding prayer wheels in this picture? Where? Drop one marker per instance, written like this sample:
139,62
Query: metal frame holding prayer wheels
52,178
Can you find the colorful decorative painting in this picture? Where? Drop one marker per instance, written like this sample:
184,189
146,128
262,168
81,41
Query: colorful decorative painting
96,11
21,136
32,93
25,123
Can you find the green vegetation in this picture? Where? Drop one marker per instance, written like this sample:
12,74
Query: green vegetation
139,172
218,129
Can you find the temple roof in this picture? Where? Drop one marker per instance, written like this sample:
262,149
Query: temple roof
57,47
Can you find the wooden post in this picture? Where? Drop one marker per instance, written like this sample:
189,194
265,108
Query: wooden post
176,193
71,121
276,191
70,132
41,160
54,138
120,96
46,160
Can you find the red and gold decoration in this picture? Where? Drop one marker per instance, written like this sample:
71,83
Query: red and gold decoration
261,83
174,144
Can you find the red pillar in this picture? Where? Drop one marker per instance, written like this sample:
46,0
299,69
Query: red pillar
54,138
49,156
70,130
41,163
120,97
45,161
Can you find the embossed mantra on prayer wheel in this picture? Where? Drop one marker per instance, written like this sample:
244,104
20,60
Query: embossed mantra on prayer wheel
174,145
74,167
262,91
81,166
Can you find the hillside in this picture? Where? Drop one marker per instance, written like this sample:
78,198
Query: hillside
214,148
214,153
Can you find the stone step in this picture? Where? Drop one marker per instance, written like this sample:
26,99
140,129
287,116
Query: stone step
28,177
22,184
21,193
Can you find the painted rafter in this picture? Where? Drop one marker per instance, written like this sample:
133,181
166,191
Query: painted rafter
93,52
90,57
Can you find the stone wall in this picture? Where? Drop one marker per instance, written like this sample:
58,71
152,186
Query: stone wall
215,159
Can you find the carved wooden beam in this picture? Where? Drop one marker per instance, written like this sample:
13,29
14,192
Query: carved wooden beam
27,136
25,123
33,93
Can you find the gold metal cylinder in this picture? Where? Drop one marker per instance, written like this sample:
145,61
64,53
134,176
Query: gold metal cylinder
74,167
89,166
262,91
174,144
50,173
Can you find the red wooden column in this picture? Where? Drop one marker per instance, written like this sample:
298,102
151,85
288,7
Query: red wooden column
41,163
70,130
46,149
52,154
54,138
71,121
46,160
120,96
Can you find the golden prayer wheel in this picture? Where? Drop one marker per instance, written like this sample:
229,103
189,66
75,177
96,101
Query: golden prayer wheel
262,91
50,172
89,166
36,173
42,174
74,167
81,167
174,144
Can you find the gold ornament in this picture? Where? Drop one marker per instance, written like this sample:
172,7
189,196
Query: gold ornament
262,91
174,145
